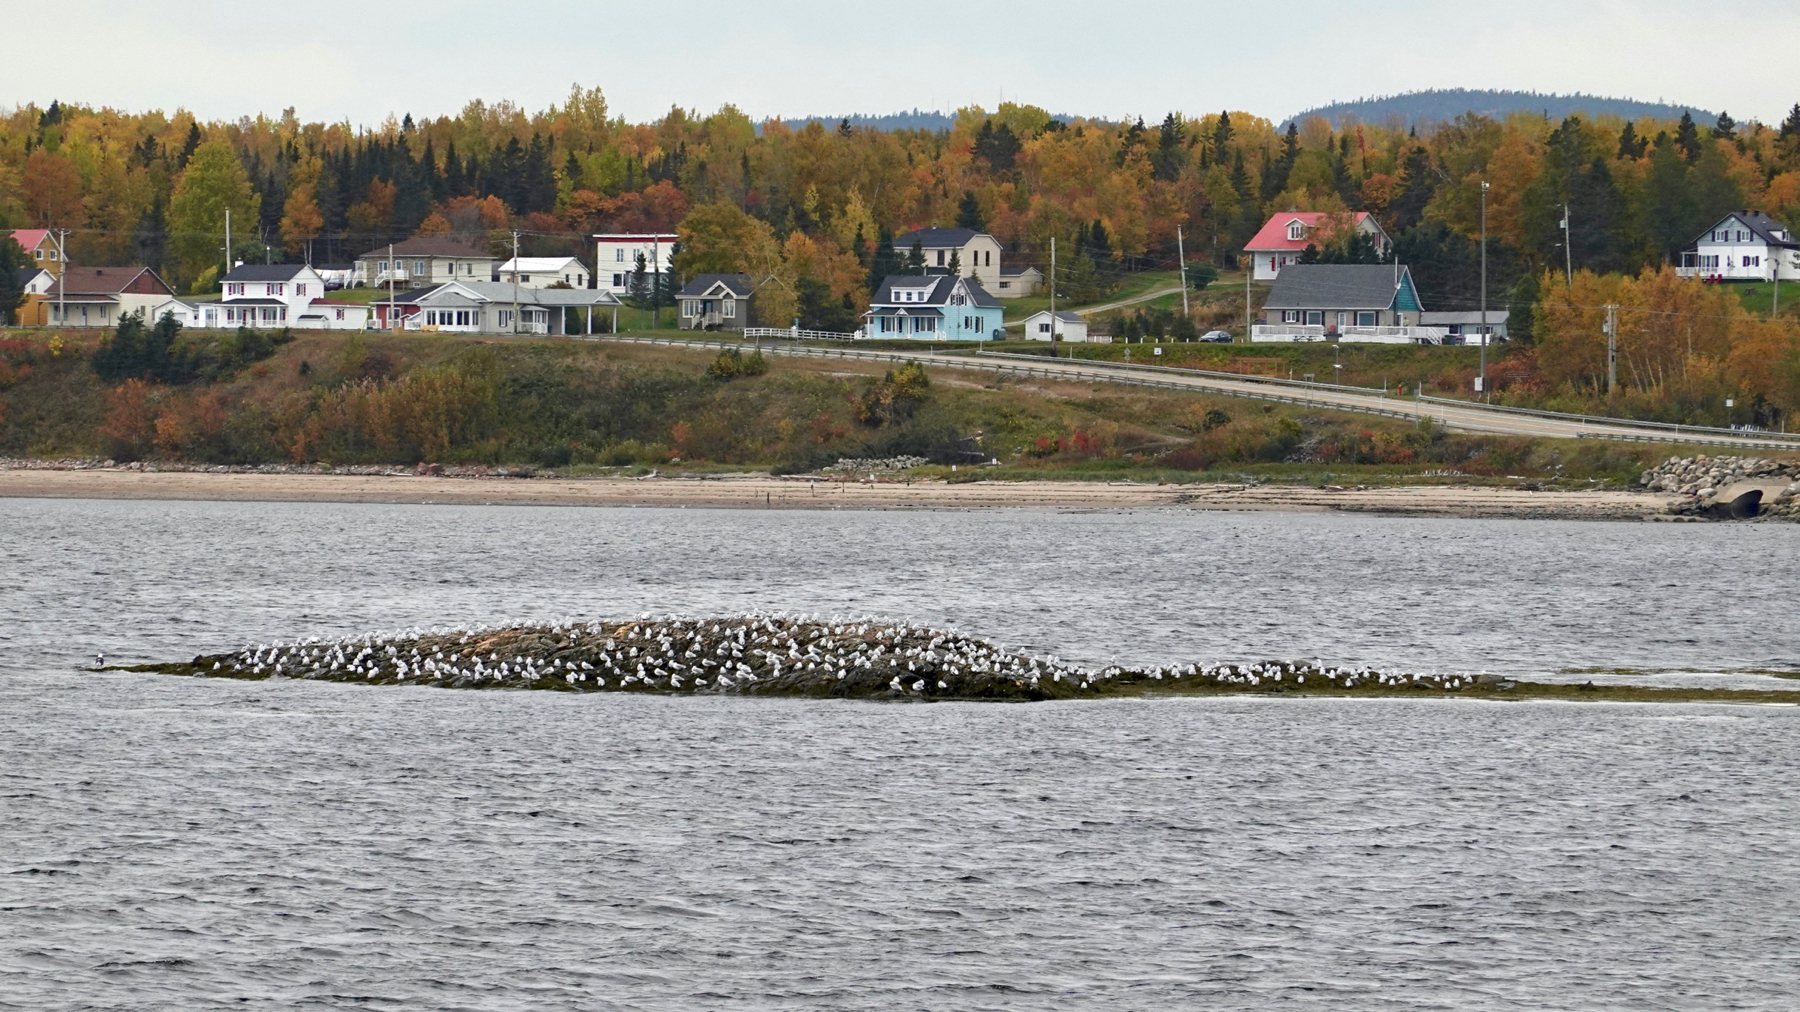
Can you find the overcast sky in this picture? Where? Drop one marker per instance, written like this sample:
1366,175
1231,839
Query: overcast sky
334,60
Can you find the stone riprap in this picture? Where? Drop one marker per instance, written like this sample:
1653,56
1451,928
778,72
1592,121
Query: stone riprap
875,465
764,655
1701,481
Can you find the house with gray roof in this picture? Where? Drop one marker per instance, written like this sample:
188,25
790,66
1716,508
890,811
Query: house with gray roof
1067,326
1745,245
423,260
975,255
491,307
716,302
1352,303
933,307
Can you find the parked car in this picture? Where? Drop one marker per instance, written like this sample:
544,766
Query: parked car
1216,337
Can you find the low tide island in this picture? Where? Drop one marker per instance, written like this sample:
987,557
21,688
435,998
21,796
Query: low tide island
834,658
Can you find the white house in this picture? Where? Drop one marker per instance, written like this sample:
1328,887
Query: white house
1743,246
1285,237
423,260
977,254
271,296
616,255
542,272
489,307
1464,326
1068,326
100,296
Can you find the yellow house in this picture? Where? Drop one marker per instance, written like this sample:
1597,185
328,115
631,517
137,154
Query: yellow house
33,311
40,246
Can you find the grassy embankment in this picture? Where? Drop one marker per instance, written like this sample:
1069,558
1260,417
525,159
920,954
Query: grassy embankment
588,407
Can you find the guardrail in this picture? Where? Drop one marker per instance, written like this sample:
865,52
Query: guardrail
1563,416
1113,372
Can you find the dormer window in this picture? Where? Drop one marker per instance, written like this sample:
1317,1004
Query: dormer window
1296,230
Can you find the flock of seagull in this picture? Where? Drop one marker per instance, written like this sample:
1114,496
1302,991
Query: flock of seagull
757,655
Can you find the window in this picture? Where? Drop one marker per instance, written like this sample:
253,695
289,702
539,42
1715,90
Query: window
1290,316
940,258
524,277
462,318
1296,230
1006,284
340,314
619,255
925,325
1043,328
1315,318
381,265
689,307
504,317
300,289
1365,319
730,309
418,267
887,325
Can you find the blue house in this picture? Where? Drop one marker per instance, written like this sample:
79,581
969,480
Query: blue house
933,307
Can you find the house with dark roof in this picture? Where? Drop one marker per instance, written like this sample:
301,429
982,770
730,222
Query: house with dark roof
491,307
716,302
32,283
933,307
101,296
424,260
1745,245
1018,282
1064,325
1350,303
974,255
1285,236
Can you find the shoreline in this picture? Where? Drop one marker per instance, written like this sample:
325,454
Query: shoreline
762,491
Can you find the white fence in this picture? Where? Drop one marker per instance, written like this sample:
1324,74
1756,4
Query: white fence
797,334
1287,333
1393,335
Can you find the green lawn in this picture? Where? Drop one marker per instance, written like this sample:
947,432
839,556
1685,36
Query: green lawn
1759,297
1134,284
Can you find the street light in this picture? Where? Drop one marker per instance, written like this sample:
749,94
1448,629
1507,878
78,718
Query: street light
1481,383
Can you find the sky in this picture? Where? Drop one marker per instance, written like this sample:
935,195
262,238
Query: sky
332,60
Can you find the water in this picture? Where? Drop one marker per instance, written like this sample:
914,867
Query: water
170,843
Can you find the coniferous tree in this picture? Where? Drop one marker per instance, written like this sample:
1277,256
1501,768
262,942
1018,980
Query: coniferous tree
1171,150
189,146
150,241
1222,137
1726,127
434,178
455,183
1416,191
968,213
1670,212
13,258
915,258
956,263
1630,144
1687,137
885,262
639,288
1790,127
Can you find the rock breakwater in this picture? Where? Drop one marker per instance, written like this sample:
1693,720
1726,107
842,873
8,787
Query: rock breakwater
1710,485
766,655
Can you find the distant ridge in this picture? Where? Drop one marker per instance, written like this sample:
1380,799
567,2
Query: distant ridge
1443,105
914,120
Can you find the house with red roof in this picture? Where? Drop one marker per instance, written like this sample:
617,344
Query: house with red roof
1286,236
40,246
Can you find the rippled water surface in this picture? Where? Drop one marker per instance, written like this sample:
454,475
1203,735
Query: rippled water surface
177,844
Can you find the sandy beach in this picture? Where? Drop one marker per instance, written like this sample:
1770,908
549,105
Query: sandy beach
766,492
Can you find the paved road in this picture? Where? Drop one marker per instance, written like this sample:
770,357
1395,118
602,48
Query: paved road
1455,416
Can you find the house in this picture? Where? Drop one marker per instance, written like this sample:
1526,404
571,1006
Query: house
1464,327
262,295
616,255
33,282
977,254
1018,282
1069,326
423,260
101,296
542,272
488,307
1743,246
933,307
40,245
1286,236
716,302
1354,303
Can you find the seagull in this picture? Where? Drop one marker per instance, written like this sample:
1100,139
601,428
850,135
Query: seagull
99,661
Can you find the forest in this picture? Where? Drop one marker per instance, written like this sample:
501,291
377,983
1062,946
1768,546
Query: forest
809,211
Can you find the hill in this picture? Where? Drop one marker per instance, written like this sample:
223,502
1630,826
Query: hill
1443,105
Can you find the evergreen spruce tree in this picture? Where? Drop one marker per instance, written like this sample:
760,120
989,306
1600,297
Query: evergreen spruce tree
1222,139
1630,144
915,258
1687,138
455,183
188,147
1726,127
12,260
885,262
968,212
432,176
1415,192
956,263
1171,149
638,290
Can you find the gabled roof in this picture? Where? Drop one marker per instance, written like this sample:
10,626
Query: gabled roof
1337,286
1274,234
505,293
104,280
432,246
941,290
936,238
30,238
1766,228
1061,314
265,272
1463,318
738,285
1013,272
526,265
26,275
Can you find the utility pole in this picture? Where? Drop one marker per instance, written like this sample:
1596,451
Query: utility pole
1482,383
1052,297
227,244
656,282
390,272
1568,247
62,274
1249,265
515,274
1612,349
1181,255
